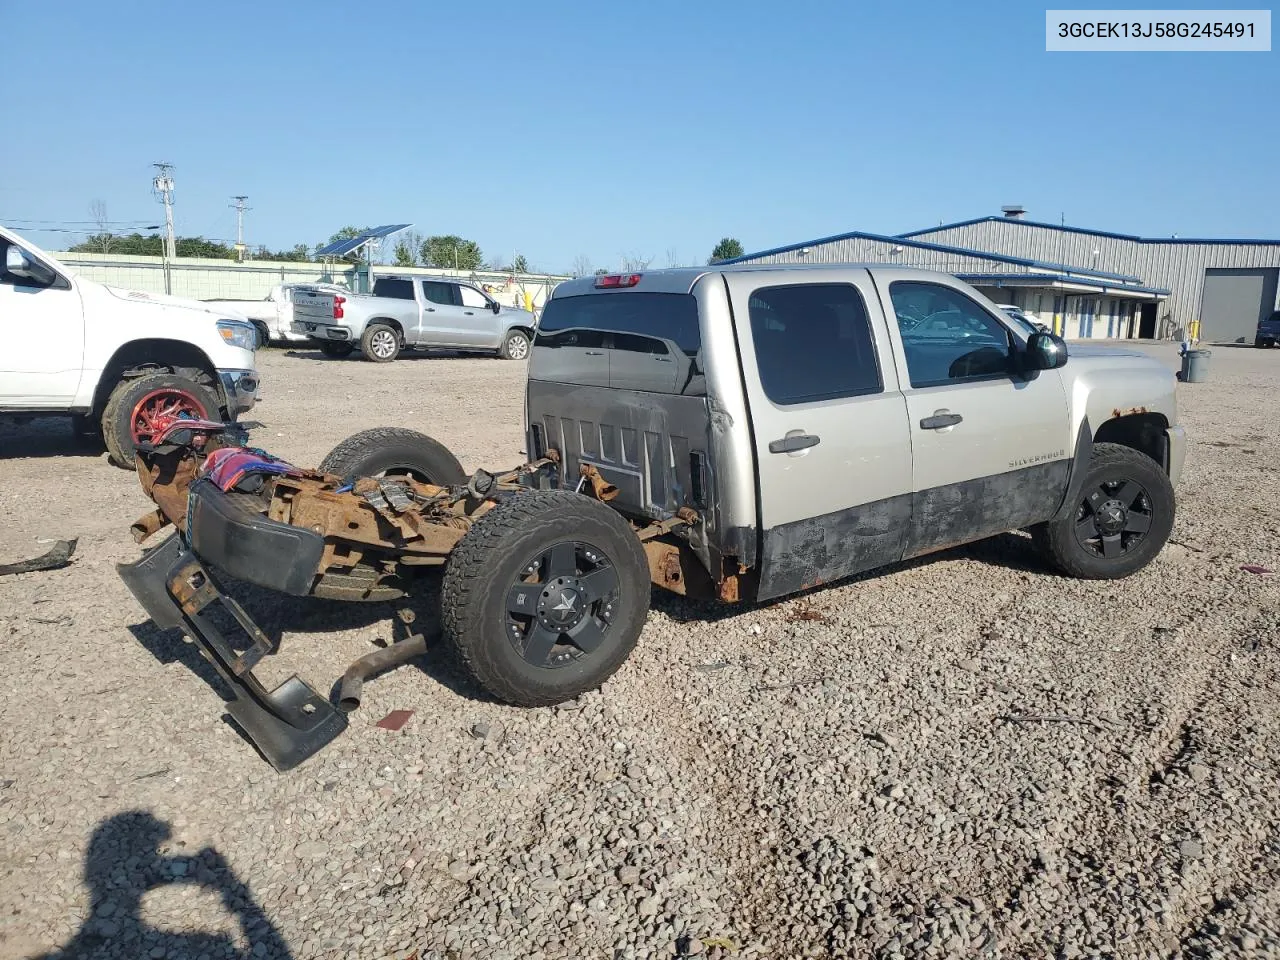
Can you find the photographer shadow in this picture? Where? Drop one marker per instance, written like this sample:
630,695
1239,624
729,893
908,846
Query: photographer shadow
124,863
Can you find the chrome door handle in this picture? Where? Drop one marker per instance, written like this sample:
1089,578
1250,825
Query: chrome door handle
594,353
940,420
794,442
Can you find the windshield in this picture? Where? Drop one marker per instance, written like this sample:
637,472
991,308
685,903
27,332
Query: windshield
1020,319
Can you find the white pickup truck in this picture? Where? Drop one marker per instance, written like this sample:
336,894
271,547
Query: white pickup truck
273,315
117,361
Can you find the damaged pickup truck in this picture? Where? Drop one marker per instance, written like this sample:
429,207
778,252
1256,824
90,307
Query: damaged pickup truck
733,432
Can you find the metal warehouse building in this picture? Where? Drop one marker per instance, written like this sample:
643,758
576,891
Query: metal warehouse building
1082,283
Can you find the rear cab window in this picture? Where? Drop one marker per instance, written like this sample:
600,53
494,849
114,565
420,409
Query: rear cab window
393,288
635,341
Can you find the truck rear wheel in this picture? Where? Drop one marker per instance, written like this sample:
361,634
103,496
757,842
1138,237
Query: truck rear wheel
545,597
380,343
1121,519
139,407
394,450
337,348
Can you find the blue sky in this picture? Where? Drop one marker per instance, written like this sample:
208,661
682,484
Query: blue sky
567,129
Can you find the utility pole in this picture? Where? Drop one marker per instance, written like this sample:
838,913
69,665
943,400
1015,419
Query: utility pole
240,210
162,184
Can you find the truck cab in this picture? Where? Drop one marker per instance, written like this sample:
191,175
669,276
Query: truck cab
113,359
827,420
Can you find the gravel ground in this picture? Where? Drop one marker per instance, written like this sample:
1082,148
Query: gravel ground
963,756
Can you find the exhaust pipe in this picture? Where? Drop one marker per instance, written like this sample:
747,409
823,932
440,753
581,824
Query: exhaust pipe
374,663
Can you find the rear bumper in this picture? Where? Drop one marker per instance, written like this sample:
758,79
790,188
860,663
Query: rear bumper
249,546
240,387
321,331
1177,452
287,724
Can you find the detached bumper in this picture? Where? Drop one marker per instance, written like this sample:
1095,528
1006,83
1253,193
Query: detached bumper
1177,447
249,546
287,724
240,387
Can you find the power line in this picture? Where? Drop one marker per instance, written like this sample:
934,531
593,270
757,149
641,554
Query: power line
163,185
240,209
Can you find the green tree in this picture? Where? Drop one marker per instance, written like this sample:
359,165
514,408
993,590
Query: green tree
137,244
727,249
451,252
520,264
300,253
405,255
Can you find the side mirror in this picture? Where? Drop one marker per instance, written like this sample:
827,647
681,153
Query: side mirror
18,264
495,306
1046,351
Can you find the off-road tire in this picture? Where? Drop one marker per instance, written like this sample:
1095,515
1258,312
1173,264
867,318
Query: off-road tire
380,332
1057,538
382,450
337,348
488,563
515,346
116,430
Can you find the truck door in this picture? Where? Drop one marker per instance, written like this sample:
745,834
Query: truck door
480,325
440,313
833,452
43,329
990,447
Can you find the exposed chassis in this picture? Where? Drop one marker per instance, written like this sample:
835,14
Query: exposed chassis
301,532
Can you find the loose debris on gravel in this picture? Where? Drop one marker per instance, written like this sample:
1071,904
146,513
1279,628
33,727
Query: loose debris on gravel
963,757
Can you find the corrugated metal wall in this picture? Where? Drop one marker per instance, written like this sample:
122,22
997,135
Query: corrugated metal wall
1178,266
860,250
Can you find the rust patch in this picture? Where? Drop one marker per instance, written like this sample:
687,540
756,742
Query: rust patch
1132,411
601,489
665,569
806,611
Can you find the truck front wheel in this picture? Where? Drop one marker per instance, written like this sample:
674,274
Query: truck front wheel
1121,519
138,408
545,597
515,346
380,343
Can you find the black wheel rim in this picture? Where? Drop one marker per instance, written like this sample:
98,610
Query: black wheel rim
561,606
1113,518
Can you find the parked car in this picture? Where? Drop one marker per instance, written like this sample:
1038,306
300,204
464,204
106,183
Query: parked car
812,437
1025,319
114,360
407,313
273,315
1268,334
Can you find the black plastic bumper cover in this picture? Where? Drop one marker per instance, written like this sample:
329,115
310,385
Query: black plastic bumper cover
250,547
288,724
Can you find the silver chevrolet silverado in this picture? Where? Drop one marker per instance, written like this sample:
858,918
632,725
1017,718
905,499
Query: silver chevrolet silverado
406,313
732,432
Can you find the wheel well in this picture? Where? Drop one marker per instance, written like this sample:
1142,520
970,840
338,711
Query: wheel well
1144,432
525,330
387,321
140,357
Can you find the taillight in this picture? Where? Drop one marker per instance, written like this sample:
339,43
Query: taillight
337,307
618,280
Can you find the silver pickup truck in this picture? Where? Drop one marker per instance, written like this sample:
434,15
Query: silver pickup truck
731,432
405,313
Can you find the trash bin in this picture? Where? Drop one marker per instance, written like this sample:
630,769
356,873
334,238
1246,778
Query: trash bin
1195,366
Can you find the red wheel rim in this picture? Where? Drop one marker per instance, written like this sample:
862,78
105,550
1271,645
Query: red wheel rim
157,409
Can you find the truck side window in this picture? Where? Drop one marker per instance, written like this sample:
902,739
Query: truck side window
441,293
947,337
393,288
471,297
813,342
